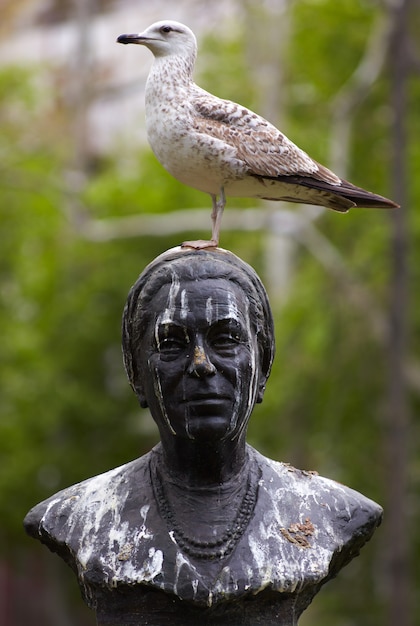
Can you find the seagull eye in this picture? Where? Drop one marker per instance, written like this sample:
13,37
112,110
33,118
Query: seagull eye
165,29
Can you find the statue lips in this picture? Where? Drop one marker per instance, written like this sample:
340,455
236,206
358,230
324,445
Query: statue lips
208,404
204,397
213,404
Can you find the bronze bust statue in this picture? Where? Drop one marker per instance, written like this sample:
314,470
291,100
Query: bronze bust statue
203,528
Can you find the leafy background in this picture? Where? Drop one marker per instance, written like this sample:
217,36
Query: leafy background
80,218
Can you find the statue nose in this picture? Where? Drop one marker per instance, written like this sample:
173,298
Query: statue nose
200,364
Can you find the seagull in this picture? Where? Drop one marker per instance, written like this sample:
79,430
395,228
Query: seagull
222,148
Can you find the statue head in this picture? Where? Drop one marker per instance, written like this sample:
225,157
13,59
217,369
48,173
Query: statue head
198,341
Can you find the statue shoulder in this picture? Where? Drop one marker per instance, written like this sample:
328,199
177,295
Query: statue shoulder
55,520
338,514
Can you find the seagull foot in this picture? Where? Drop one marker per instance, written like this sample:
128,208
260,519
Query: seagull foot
200,244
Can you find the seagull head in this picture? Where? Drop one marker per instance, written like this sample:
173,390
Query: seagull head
165,38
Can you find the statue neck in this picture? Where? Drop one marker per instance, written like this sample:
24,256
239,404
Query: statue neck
207,521
202,464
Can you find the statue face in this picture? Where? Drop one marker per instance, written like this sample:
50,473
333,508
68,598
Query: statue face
198,361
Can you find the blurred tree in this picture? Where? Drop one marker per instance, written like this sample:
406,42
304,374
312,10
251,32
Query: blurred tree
398,414
66,409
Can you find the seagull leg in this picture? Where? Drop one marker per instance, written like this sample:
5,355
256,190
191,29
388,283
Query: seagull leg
216,218
217,214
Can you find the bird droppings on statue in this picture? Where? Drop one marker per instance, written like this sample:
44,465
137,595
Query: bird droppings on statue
222,148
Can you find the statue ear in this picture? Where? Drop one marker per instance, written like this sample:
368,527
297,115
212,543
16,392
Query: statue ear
142,401
141,396
261,388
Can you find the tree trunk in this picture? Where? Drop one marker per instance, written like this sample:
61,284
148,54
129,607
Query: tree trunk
397,418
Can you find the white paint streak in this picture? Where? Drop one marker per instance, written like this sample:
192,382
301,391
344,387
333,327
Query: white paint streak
98,500
254,369
159,395
169,312
184,305
181,561
209,310
195,587
154,567
232,306
143,532
47,510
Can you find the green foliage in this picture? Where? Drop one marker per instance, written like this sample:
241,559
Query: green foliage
66,410
235,81
326,58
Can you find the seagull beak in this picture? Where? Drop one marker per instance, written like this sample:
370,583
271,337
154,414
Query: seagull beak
136,38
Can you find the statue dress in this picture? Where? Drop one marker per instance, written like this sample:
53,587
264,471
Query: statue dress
293,531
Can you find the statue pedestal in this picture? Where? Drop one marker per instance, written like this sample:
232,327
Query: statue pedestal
136,607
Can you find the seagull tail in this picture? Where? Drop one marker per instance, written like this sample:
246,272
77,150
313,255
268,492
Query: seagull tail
339,197
362,198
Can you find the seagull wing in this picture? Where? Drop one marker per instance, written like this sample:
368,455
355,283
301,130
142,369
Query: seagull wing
266,151
268,154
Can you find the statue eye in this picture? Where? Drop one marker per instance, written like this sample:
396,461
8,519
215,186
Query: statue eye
171,347
226,336
172,341
226,341
166,29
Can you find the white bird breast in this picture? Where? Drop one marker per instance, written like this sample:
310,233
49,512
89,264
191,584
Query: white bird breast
200,161
207,163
